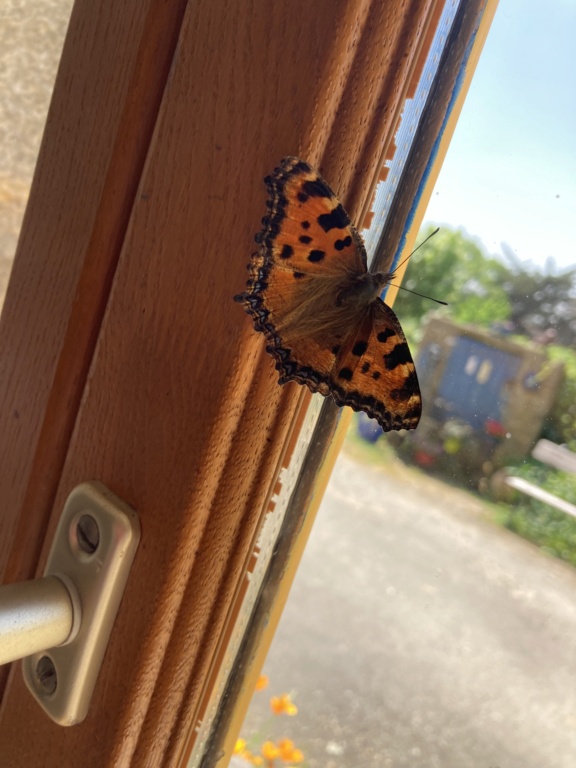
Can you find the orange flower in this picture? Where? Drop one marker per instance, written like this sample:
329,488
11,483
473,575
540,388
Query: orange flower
269,750
283,705
288,752
250,758
262,682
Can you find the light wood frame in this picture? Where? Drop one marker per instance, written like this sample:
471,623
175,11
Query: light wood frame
122,356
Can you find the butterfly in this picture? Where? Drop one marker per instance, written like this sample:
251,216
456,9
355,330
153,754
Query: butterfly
310,293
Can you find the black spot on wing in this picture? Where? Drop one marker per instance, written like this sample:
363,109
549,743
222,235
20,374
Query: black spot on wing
286,251
316,188
359,348
385,335
298,275
305,239
413,413
365,367
316,255
341,244
345,373
301,167
376,375
336,219
412,382
409,387
305,225
400,355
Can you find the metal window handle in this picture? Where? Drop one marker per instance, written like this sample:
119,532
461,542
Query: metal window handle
61,623
34,615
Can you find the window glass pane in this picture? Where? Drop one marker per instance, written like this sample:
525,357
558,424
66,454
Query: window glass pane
31,38
433,621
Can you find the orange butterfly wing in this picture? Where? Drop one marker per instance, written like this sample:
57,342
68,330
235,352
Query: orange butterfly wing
309,250
374,371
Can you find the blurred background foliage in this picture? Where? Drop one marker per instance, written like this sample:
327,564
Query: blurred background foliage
531,305
514,298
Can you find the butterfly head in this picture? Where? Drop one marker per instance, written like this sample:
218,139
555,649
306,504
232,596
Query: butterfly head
363,288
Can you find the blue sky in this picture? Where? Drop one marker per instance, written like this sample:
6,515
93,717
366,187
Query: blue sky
510,172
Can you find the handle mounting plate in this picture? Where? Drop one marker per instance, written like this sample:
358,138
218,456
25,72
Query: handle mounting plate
92,553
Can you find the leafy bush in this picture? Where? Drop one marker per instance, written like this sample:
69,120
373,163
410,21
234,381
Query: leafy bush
561,425
550,529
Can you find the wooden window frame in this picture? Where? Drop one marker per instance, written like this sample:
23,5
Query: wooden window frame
122,357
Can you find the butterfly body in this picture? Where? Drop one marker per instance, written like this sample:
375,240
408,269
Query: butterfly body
310,293
363,289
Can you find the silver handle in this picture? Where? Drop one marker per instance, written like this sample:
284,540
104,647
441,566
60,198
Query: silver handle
34,615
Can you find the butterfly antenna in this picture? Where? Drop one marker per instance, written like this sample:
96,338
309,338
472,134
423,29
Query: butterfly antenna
414,251
444,303
401,287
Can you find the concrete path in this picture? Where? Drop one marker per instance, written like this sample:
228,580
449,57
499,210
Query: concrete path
419,634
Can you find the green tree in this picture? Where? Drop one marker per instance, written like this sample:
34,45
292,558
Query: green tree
480,289
454,268
541,300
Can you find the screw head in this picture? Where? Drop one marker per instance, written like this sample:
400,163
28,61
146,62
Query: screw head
45,676
87,534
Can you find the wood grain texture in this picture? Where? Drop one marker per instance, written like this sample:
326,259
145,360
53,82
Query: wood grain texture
157,385
97,135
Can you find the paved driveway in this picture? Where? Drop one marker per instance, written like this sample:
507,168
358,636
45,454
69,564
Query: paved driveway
419,634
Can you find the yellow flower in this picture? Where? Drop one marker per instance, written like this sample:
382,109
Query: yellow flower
283,705
240,746
245,754
262,682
